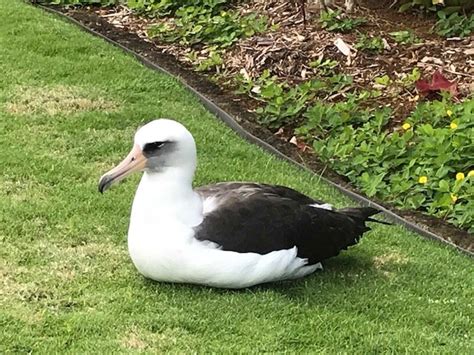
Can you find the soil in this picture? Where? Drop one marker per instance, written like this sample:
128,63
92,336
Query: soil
240,107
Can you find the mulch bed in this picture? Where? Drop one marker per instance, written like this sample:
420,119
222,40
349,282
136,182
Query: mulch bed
287,52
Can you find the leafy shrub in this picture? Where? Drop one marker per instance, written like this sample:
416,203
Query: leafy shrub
404,37
449,6
371,44
454,25
80,2
199,21
284,104
451,13
324,67
192,26
170,7
425,164
207,23
335,22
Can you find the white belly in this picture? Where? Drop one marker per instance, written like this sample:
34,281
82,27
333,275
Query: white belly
177,257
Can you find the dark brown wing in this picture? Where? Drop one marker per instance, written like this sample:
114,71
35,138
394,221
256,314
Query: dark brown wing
264,218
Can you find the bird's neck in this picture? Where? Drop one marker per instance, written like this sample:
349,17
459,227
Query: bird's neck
170,182
167,196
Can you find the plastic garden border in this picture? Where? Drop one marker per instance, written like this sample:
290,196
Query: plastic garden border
235,126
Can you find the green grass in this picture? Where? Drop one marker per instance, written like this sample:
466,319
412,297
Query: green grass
69,104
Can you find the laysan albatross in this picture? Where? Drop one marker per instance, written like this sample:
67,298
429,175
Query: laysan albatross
230,234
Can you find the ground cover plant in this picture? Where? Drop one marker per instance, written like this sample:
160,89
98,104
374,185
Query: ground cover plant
391,164
335,21
199,23
67,282
453,15
451,25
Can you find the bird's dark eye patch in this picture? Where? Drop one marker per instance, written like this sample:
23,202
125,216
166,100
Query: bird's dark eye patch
151,148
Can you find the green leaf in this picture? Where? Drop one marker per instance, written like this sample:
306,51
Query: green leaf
444,186
405,7
383,80
271,90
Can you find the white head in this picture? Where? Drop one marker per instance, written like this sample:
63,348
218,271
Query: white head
160,146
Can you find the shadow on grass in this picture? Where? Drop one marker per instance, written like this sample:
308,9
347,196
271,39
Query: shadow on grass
340,275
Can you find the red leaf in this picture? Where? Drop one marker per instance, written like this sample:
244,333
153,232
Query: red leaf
438,83
423,86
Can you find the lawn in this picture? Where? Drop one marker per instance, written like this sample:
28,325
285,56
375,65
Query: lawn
69,105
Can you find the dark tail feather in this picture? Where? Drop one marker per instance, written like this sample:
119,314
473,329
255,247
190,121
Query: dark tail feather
353,226
362,214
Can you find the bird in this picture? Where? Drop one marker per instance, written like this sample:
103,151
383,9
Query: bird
229,234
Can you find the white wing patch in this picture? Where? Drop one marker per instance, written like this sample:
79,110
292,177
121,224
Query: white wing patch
209,204
324,206
212,202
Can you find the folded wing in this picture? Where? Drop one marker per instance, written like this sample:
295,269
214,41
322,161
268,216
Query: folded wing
246,217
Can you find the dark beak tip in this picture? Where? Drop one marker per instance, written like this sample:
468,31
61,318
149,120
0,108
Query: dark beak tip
104,183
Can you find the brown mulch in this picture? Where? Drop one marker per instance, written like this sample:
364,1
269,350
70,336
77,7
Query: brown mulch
131,33
297,41
288,50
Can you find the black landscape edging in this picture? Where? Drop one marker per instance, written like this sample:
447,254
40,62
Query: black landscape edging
236,127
